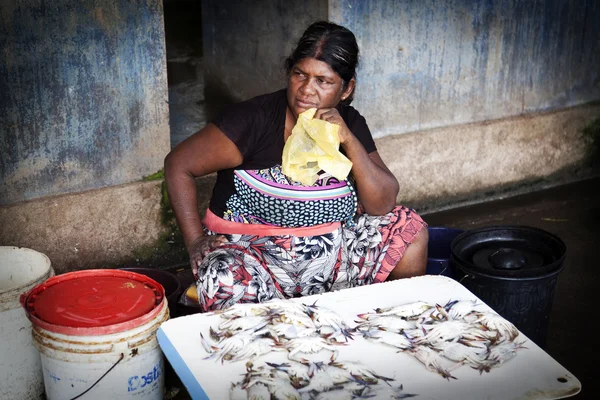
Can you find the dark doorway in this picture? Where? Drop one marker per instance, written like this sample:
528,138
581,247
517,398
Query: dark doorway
183,37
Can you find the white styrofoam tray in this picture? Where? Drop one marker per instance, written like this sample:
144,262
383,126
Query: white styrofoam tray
532,374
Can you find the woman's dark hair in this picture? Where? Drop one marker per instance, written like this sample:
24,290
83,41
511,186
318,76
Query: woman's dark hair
330,43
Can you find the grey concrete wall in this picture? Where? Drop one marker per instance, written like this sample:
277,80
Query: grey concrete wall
83,95
94,229
460,165
428,63
246,42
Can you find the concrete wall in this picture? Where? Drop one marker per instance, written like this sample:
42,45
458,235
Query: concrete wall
459,165
83,118
93,229
83,95
427,63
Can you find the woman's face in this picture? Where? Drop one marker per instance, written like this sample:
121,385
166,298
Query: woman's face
314,84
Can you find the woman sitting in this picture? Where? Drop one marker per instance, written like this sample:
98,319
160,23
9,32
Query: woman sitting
268,236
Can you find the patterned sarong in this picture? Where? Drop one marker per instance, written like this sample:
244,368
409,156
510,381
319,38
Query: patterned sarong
257,268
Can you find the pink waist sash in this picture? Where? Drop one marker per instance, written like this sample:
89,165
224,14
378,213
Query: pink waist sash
219,225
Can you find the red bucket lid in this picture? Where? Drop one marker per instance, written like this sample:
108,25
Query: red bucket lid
94,302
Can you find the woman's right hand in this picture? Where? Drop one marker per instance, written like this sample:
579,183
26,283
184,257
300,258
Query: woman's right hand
200,247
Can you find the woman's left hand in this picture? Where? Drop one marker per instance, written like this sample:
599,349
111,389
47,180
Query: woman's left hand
332,115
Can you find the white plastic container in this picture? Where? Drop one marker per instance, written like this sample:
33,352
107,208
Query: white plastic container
20,369
96,334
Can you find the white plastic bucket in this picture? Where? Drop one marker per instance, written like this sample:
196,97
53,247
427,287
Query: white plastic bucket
20,369
118,360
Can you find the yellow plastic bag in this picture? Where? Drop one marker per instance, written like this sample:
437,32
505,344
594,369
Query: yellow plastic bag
314,146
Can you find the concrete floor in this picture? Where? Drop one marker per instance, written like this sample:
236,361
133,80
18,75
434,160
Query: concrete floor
572,212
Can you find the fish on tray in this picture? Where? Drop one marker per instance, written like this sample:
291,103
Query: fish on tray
442,338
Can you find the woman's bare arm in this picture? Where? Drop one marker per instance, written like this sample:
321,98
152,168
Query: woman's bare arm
376,186
203,153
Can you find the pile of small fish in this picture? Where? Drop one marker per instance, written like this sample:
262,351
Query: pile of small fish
444,338
307,380
302,331
249,332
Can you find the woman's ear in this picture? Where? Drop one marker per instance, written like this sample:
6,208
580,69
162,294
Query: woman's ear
349,89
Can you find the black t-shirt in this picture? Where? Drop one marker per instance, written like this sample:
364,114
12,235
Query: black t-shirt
257,126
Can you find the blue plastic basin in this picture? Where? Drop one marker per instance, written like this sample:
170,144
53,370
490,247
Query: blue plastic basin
439,250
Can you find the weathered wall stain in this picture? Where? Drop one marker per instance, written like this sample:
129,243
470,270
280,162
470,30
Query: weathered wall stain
427,63
83,95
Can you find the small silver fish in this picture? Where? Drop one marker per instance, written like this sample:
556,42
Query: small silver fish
408,310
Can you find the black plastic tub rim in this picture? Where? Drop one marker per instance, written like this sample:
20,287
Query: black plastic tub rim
550,244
